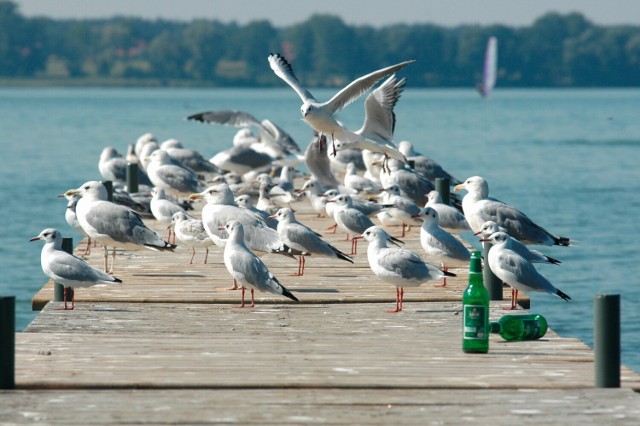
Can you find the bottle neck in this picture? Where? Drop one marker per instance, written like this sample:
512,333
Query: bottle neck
475,278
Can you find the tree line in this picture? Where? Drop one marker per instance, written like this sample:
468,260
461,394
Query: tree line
555,51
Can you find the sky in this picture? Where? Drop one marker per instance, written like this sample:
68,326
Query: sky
377,13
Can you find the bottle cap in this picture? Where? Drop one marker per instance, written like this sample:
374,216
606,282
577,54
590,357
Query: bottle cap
475,264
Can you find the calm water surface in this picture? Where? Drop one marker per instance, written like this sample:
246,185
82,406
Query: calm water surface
569,158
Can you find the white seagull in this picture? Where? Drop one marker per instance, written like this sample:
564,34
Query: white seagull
478,208
190,232
320,115
397,266
450,217
67,269
111,224
439,243
515,270
533,256
247,268
300,237
163,210
174,179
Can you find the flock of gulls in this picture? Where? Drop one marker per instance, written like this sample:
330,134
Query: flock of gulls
363,180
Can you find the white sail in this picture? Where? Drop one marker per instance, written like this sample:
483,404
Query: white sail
490,68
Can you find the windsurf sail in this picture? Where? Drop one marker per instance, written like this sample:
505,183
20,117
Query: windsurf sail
490,68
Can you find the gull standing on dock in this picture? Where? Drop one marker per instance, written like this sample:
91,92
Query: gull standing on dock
515,270
174,179
163,210
303,238
113,225
439,243
246,268
320,115
533,256
403,212
190,232
397,266
72,219
67,269
450,217
478,208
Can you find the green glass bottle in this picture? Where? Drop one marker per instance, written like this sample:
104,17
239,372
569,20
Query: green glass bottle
520,327
475,310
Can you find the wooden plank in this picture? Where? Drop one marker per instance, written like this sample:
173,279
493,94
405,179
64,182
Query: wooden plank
285,346
323,406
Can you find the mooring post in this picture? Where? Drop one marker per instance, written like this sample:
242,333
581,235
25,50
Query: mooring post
491,282
7,342
58,289
132,178
443,187
606,340
109,185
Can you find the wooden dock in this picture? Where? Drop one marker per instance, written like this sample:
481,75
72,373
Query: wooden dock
168,346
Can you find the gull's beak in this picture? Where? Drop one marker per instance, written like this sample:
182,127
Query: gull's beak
358,237
485,240
273,216
478,233
299,191
458,187
61,195
376,163
221,228
71,192
34,238
415,216
196,197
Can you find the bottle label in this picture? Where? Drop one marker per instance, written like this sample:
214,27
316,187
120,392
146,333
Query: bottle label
531,330
475,326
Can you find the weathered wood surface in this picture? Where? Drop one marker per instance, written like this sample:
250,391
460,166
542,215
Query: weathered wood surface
323,406
150,276
107,345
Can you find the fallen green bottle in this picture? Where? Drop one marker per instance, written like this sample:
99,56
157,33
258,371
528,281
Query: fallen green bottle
515,328
475,310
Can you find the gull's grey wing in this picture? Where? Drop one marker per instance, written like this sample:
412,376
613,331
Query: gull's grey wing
379,118
69,267
519,271
355,220
122,225
282,138
403,262
360,85
308,238
283,69
518,224
227,117
178,178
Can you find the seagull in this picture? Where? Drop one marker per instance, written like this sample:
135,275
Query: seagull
350,219
244,201
220,209
318,163
478,208
320,115
112,166
397,266
242,157
358,183
164,209
450,217
174,179
111,224
533,256
276,142
72,219
314,193
189,158
403,210
190,232
300,237
67,269
247,268
439,243
515,270
411,184
379,121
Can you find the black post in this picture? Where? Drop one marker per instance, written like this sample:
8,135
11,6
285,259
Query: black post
443,187
132,178
58,289
7,342
109,185
492,283
606,340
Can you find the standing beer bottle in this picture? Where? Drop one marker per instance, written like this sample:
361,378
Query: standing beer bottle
475,310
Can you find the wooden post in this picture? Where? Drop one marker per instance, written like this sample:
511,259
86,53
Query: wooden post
109,185
606,340
58,289
7,342
132,178
443,187
491,282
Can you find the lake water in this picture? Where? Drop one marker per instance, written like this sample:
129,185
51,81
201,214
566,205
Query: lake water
568,158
